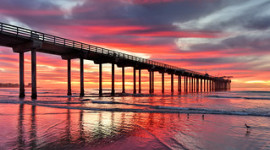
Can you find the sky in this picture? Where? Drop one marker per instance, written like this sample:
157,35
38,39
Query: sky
218,37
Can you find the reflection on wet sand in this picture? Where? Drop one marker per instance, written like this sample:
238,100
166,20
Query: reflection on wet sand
33,130
93,128
21,141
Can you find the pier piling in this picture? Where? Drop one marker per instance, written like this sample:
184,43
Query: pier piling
113,77
81,77
100,79
69,77
134,80
34,73
21,65
123,80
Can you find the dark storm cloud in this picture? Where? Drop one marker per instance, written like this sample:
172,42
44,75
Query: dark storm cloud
139,14
260,23
145,14
238,43
256,43
245,25
132,40
252,63
203,61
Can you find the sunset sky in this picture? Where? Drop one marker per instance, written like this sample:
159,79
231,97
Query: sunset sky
220,37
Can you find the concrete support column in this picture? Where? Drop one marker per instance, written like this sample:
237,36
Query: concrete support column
210,85
172,85
190,84
140,81
113,77
184,83
162,82
123,80
34,73
100,79
197,85
69,77
153,82
179,84
221,85
214,85
192,88
21,65
134,81
194,84
187,84
150,82
204,87
207,84
81,77
201,85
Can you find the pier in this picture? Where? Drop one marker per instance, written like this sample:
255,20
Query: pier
22,40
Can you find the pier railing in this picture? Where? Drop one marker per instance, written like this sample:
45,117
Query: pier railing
31,34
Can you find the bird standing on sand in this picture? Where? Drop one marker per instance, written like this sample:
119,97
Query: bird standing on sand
247,126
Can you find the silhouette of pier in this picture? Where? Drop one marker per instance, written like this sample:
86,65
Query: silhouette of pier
22,40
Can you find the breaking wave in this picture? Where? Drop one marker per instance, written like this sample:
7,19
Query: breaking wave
240,97
142,109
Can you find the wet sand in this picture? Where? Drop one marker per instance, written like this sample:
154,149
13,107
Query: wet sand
29,126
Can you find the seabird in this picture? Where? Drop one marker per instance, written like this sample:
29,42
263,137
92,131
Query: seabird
247,126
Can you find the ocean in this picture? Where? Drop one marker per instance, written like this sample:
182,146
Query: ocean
192,121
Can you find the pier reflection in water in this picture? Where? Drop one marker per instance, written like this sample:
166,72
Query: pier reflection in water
47,129
80,128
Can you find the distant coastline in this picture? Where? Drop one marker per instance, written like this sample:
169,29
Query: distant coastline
12,85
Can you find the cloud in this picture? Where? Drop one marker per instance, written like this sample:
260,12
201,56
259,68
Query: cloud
213,35
66,6
242,23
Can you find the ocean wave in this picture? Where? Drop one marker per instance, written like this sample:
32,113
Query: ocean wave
259,92
239,97
150,109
